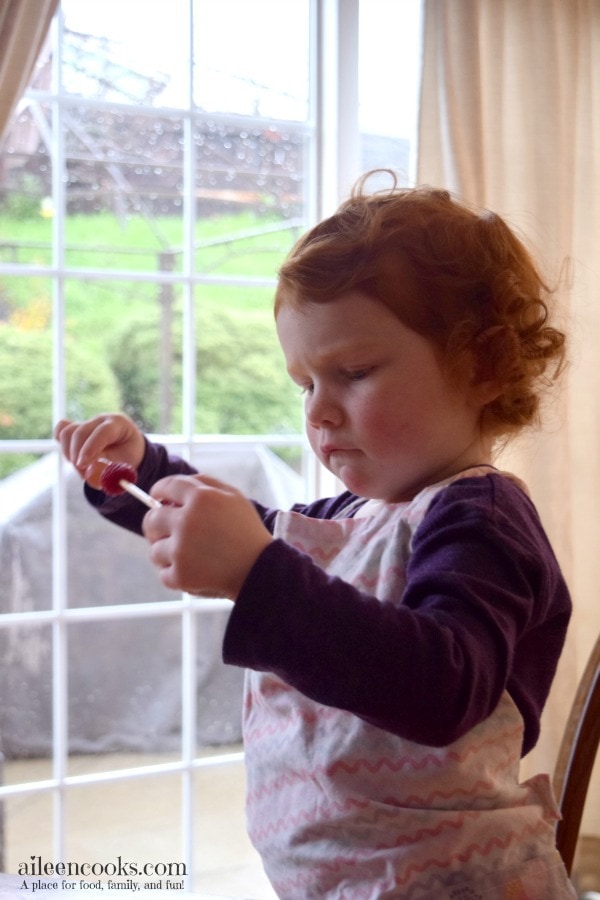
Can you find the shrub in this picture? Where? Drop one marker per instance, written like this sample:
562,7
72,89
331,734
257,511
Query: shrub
26,388
242,386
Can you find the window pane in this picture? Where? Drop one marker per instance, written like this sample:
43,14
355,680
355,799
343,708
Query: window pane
26,556
263,71
249,196
218,687
389,54
243,386
228,865
138,820
25,336
124,190
124,687
26,691
107,566
28,820
26,208
124,351
127,52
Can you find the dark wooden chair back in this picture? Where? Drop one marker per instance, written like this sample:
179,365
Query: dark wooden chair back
576,757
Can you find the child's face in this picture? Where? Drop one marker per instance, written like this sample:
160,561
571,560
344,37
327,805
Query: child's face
381,412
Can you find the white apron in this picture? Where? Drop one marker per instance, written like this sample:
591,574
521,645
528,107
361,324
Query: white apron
339,808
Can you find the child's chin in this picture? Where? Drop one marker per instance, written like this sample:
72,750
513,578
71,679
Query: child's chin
362,487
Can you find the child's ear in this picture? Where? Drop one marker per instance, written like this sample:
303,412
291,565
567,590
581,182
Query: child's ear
491,357
483,393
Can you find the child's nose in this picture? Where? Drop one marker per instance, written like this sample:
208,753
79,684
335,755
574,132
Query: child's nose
322,409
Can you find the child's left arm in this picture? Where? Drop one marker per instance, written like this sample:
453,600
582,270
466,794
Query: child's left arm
485,609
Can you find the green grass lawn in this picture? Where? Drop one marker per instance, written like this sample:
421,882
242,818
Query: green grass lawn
228,245
224,245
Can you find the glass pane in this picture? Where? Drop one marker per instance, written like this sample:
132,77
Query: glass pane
390,56
138,820
124,351
107,565
241,62
26,553
26,209
28,825
124,680
219,688
228,865
243,386
127,52
25,335
289,470
249,196
26,686
124,184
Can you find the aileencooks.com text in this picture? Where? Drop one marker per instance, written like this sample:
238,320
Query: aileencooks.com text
37,867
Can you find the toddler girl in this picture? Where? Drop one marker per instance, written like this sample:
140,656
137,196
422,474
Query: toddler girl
400,638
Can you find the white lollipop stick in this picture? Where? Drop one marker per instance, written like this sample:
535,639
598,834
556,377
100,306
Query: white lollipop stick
136,491
129,486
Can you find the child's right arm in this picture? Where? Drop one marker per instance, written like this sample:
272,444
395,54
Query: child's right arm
113,437
207,536
116,437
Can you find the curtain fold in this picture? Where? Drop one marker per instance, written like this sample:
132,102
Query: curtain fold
510,120
24,25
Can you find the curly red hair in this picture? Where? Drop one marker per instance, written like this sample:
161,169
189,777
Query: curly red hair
459,277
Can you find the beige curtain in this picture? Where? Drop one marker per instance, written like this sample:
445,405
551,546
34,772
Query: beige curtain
510,119
24,25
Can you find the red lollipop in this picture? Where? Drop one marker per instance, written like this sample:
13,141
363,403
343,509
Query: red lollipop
116,478
113,477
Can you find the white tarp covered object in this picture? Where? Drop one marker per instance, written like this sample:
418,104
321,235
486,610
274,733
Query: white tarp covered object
124,676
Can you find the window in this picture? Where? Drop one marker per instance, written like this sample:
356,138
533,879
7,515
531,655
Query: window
163,161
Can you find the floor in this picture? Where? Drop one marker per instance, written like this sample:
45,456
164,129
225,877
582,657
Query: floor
139,820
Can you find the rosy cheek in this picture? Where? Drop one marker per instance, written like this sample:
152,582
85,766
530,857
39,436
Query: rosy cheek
386,426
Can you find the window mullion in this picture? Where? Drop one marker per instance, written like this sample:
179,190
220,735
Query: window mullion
188,617
336,99
59,513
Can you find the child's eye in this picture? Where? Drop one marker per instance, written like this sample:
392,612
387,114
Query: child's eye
357,374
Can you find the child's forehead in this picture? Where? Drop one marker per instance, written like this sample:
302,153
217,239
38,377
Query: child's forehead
353,323
353,310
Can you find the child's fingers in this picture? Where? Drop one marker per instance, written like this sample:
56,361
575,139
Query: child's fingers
176,489
65,432
60,428
98,436
112,436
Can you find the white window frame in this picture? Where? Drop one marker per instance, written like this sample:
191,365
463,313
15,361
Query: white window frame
334,166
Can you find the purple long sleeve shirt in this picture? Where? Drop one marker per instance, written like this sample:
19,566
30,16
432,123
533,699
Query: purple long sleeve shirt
485,609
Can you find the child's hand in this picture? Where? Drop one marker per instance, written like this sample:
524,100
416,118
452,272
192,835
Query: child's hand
113,437
206,537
